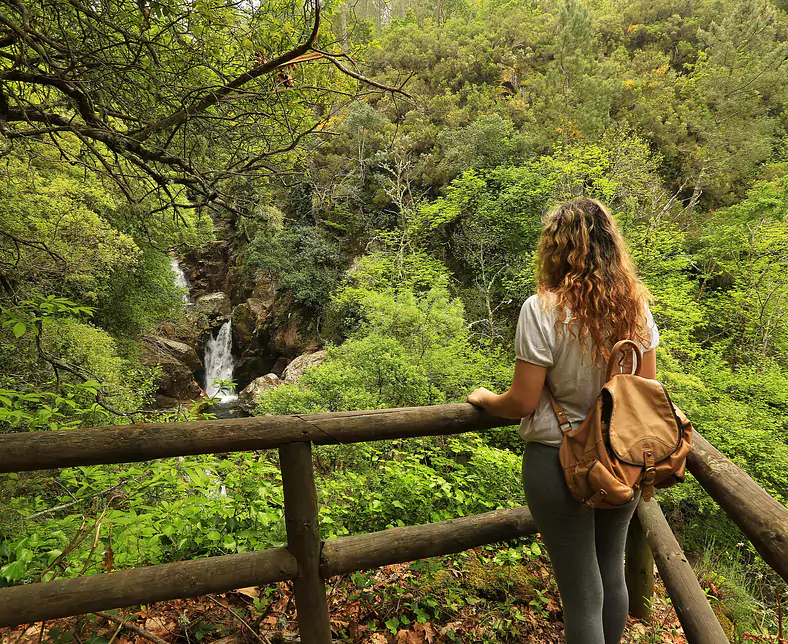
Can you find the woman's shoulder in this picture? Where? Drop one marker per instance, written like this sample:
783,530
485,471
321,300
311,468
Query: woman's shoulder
543,301
544,306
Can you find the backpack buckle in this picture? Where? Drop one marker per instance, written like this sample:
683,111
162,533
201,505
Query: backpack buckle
649,476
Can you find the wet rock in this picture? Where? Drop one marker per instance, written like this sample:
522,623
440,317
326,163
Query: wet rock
279,366
250,340
213,305
248,367
297,367
247,399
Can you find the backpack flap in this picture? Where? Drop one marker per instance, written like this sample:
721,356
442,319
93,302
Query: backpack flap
644,428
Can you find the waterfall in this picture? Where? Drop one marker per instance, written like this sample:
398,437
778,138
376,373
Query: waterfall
180,278
219,361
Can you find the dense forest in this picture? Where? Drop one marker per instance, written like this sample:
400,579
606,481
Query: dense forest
212,207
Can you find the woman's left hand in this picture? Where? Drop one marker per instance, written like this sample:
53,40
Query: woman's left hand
480,396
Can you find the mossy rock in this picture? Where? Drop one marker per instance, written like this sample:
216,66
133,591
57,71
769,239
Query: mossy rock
438,582
493,581
727,625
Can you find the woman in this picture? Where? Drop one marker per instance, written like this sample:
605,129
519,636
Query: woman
588,297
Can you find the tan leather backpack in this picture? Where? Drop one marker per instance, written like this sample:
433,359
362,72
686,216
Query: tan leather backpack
633,437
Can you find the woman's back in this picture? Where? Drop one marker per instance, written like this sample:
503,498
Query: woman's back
544,339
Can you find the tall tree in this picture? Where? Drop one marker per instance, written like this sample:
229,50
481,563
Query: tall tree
179,97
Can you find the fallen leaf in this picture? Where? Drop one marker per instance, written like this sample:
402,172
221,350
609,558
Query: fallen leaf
451,626
251,591
109,559
157,626
377,638
426,630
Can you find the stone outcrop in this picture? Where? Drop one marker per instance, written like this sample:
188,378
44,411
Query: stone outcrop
252,320
279,366
247,399
248,320
297,367
182,351
213,305
177,380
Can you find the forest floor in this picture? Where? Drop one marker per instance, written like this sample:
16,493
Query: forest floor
477,596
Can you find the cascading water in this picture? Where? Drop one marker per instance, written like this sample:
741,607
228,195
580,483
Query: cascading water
219,362
180,278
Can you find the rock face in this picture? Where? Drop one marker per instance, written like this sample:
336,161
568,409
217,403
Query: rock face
206,269
214,305
247,399
248,319
176,360
297,367
251,321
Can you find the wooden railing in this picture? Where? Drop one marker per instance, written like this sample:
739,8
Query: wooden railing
308,561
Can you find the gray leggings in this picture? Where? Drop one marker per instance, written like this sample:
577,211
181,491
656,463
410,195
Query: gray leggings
586,548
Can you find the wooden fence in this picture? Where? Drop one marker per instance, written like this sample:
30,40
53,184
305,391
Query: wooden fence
308,561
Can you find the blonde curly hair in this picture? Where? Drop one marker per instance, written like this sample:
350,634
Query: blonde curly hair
583,261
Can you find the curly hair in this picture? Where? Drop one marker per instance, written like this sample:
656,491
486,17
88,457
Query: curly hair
583,261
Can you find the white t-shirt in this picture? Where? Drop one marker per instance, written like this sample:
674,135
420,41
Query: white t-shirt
576,380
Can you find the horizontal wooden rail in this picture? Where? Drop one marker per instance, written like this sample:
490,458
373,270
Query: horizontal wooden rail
692,608
408,543
144,442
65,597
759,516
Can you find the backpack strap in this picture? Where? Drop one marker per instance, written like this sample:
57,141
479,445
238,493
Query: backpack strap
618,357
621,360
563,422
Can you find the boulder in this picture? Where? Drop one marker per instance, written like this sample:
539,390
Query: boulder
299,365
214,305
180,350
290,331
176,380
247,399
265,289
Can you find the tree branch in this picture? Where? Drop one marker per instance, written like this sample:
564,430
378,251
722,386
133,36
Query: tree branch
216,96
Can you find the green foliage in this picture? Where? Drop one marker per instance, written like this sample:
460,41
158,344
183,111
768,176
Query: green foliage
150,513
73,370
304,260
406,348
744,257
737,596
137,300
418,481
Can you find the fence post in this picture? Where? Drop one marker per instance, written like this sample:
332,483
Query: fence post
639,571
690,602
303,541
